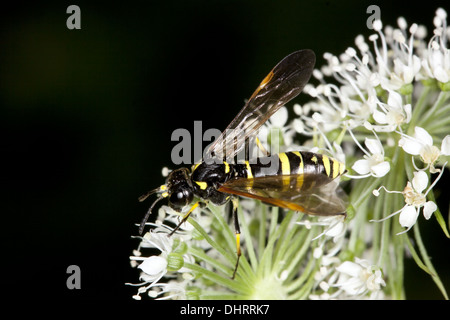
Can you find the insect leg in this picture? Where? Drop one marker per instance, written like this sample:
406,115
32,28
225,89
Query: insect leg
237,232
261,147
186,216
250,148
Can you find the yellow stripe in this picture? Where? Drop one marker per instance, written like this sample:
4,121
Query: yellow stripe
189,212
285,165
300,167
194,167
203,185
326,164
336,170
238,243
341,168
249,170
227,167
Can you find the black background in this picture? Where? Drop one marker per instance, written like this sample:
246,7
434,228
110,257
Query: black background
87,117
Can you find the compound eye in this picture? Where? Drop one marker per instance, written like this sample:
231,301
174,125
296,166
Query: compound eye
177,198
180,198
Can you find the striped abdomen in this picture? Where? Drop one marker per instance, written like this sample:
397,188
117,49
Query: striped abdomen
295,162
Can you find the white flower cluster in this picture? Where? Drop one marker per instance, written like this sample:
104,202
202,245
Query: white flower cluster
169,261
386,110
386,98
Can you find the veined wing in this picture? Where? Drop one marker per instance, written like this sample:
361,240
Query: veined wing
286,80
314,194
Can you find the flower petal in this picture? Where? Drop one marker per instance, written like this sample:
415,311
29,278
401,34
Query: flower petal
280,117
350,268
440,74
408,110
381,169
428,209
395,100
361,167
374,146
423,136
420,181
379,117
153,265
445,147
408,216
410,145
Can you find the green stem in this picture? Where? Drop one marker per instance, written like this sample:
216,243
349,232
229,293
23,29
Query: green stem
419,107
427,261
305,290
224,281
438,215
365,189
200,254
212,295
436,123
298,252
419,117
262,228
211,241
282,253
223,225
267,254
398,242
308,272
232,258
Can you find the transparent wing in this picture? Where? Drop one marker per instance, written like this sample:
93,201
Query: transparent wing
286,80
314,194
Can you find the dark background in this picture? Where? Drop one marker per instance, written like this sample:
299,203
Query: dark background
87,117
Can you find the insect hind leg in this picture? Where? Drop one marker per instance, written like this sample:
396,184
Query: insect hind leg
237,232
252,146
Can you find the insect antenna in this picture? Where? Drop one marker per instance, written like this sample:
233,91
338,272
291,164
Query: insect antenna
142,226
147,194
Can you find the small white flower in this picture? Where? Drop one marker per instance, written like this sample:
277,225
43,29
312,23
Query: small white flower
155,267
415,198
373,163
404,73
422,144
406,64
437,58
357,278
393,114
334,228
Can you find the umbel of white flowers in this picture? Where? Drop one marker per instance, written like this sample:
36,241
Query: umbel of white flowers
384,104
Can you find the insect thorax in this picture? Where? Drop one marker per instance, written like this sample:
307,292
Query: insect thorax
207,178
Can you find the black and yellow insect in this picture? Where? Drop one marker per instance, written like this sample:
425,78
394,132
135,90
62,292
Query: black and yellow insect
300,181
